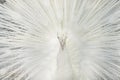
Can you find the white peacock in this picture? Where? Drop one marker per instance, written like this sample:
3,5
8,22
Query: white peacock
60,40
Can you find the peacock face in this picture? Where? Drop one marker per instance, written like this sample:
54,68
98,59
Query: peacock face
59,40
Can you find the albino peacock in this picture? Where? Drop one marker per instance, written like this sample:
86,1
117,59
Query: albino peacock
59,40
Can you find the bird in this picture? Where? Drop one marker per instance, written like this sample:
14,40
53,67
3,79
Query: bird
59,40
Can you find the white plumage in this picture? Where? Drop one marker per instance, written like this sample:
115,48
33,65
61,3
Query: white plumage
60,40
